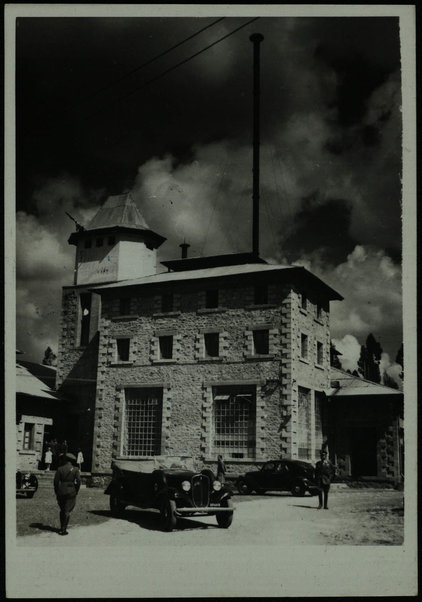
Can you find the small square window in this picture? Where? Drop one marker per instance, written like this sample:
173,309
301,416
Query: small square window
261,294
211,298
211,343
261,342
304,346
124,306
320,353
303,302
123,350
166,347
99,242
88,243
111,240
167,302
28,436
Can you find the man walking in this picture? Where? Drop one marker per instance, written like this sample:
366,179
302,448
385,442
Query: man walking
67,482
324,472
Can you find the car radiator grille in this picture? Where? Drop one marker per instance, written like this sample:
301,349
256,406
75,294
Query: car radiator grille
200,490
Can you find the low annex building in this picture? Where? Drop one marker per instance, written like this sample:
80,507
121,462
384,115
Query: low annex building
217,355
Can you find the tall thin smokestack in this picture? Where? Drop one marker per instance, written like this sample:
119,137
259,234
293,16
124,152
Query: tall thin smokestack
256,39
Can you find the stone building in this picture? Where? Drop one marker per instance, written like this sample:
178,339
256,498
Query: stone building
217,355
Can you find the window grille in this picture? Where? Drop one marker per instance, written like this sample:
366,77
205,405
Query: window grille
142,422
304,346
167,302
304,423
234,422
261,342
261,295
211,344
166,347
211,298
28,436
124,306
122,346
320,353
85,301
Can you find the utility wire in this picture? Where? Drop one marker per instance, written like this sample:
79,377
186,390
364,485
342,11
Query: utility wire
148,62
173,67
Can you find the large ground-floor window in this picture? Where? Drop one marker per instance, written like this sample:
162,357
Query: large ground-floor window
234,433
304,424
142,422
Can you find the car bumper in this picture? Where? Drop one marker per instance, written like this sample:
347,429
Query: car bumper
205,510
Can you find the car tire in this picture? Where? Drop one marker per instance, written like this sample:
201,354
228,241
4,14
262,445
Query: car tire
298,489
116,506
225,519
243,487
168,517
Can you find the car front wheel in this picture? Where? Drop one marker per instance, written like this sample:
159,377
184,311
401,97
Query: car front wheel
116,506
243,487
298,489
225,519
168,515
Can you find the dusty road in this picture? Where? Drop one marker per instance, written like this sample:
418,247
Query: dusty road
355,516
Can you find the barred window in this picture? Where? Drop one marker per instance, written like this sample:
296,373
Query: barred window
261,294
142,422
166,347
211,344
320,353
122,350
234,421
261,342
211,298
304,423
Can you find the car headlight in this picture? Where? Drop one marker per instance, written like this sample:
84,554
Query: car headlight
186,486
216,485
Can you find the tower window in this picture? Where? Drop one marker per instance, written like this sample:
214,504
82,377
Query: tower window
303,302
122,346
85,301
88,243
166,347
319,312
261,343
320,353
304,346
167,302
211,298
111,240
99,242
211,344
261,294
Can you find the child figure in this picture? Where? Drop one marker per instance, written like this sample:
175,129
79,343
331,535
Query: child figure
48,458
79,459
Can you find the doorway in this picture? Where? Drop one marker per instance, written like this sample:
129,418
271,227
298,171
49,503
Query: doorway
363,451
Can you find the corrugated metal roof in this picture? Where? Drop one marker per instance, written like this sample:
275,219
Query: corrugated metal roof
118,210
28,384
350,385
218,272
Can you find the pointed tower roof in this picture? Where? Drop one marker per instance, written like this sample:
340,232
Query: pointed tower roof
119,212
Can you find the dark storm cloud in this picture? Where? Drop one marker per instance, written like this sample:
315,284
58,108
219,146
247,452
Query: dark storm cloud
331,123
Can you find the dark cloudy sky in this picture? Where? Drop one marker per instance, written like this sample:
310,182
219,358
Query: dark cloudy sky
90,122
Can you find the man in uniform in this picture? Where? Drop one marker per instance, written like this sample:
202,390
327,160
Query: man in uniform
324,472
67,482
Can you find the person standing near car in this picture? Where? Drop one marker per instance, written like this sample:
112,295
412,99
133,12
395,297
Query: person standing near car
48,458
67,482
221,469
324,472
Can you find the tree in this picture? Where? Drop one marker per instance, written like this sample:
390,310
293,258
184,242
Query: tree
50,358
334,359
369,360
400,360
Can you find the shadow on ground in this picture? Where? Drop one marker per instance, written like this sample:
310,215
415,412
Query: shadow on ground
151,520
42,527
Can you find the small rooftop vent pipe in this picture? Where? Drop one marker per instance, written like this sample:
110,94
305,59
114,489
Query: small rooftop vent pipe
184,246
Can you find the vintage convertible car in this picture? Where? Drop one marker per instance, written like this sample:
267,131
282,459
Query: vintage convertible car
175,491
26,483
280,475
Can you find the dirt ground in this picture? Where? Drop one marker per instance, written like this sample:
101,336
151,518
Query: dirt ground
355,517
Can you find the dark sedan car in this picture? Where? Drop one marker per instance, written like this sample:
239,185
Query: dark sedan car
26,483
280,475
174,491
